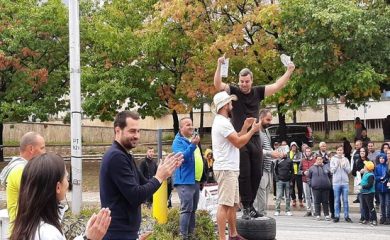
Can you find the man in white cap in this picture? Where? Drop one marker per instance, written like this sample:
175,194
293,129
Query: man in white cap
226,143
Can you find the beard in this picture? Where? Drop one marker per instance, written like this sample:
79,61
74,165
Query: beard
128,143
265,125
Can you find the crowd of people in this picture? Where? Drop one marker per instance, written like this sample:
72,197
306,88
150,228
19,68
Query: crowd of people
325,179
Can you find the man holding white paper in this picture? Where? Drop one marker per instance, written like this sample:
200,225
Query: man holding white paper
247,105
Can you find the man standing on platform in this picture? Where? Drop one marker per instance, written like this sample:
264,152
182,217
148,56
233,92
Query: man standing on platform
247,106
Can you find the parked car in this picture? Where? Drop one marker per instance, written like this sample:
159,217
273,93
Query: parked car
294,133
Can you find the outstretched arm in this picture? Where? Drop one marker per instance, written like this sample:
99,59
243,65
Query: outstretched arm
280,83
218,84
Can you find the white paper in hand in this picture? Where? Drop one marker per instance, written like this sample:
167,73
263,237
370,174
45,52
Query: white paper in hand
286,60
225,68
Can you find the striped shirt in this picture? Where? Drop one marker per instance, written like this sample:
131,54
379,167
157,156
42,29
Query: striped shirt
267,151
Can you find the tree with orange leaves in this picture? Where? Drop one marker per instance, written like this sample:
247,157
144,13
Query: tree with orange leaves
33,60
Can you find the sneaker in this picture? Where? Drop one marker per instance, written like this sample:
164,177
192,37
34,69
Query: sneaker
336,219
361,220
308,214
373,223
237,237
276,213
246,214
356,200
332,215
255,214
347,219
289,213
364,222
382,220
327,218
318,218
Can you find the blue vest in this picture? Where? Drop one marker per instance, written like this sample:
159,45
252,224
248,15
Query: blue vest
365,182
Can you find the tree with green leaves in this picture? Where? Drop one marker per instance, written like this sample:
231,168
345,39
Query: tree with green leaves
340,47
33,60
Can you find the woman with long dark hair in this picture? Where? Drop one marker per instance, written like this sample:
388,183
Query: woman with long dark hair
43,186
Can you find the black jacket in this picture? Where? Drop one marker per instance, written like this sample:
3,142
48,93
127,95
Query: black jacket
284,169
123,189
148,168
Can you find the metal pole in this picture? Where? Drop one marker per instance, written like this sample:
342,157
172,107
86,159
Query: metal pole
75,104
159,144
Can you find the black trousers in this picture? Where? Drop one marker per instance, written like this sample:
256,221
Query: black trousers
251,170
368,206
296,180
321,196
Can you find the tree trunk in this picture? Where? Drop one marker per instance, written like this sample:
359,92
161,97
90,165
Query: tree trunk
282,125
201,130
1,143
294,116
175,122
192,115
326,118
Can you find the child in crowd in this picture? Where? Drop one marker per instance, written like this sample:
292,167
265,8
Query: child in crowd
283,172
319,181
368,193
381,179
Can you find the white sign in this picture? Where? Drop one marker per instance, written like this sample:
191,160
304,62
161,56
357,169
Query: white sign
225,68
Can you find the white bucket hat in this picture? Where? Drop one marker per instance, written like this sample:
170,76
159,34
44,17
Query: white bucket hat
221,99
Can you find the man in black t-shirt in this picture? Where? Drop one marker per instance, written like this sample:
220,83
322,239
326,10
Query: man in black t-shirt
248,105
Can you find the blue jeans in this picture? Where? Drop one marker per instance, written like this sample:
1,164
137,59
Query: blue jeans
282,189
338,191
189,198
385,204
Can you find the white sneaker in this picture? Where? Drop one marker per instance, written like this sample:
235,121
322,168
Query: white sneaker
289,214
276,214
327,218
318,218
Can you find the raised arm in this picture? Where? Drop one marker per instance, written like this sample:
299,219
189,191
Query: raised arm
280,83
218,84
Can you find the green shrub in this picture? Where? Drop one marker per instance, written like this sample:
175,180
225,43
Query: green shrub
205,228
350,135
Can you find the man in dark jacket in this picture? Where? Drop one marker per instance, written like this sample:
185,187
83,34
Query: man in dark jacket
148,169
284,171
122,186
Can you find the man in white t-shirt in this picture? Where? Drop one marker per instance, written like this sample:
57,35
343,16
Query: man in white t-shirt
226,143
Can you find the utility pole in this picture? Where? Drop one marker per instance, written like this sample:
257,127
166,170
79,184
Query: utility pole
75,104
